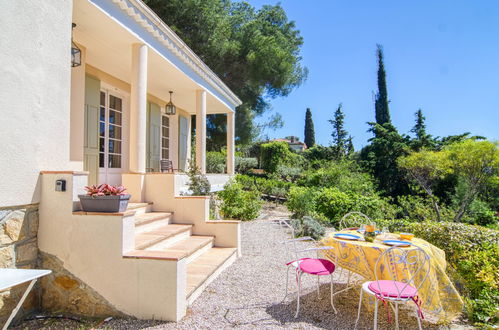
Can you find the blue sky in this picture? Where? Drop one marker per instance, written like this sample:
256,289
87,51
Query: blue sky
440,56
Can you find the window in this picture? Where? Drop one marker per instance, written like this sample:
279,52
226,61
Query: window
165,137
110,131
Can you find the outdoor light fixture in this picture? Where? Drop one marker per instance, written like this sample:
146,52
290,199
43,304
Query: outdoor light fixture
75,51
170,108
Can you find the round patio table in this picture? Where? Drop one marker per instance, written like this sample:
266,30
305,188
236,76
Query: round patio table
439,296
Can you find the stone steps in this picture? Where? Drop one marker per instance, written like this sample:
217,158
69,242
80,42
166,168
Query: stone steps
139,208
205,268
166,234
151,221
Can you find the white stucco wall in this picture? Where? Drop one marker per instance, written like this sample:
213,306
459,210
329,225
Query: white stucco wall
35,74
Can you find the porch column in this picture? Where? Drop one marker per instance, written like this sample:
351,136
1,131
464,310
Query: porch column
201,130
138,109
230,143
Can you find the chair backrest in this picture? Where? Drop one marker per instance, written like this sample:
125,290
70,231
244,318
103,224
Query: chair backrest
410,266
166,165
354,219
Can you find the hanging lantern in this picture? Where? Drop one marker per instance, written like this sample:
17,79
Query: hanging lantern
75,51
170,108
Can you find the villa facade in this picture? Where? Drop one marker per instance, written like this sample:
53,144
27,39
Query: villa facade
104,121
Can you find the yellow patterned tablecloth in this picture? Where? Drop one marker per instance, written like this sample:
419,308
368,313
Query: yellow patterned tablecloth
439,296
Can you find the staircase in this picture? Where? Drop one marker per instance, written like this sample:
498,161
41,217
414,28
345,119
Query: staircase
157,236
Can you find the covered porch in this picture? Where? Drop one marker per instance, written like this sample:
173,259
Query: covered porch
130,61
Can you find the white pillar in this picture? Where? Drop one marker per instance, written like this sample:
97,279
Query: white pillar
230,143
138,109
201,130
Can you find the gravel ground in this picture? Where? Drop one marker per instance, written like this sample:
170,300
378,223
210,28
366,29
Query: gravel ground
248,295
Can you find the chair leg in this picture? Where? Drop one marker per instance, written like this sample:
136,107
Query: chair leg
358,310
375,314
419,320
396,316
318,287
348,280
299,293
332,296
287,283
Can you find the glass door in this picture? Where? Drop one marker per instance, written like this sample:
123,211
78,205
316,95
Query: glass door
110,138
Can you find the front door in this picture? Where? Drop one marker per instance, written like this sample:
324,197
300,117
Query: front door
110,137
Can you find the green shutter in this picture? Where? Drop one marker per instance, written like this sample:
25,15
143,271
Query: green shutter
182,142
91,139
153,136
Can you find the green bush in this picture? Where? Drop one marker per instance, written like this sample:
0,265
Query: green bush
301,201
198,183
308,226
243,165
215,162
479,213
334,203
238,203
274,154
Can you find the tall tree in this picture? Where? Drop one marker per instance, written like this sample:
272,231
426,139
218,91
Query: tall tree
339,134
350,147
255,52
387,145
309,129
421,139
381,100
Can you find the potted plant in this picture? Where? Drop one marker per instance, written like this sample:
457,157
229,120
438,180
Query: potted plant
104,198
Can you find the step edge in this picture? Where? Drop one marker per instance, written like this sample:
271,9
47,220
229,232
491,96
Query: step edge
188,294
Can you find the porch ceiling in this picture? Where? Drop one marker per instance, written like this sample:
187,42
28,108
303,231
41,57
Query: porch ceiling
108,47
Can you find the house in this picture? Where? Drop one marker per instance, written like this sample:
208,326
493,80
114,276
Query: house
83,90
294,143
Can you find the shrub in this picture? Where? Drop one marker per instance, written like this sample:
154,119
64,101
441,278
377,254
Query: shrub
215,162
301,201
198,183
238,203
479,213
244,165
308,226
288,173
333,203
273,154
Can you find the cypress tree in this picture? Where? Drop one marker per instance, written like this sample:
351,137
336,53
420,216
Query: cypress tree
309,129
381,100
339,134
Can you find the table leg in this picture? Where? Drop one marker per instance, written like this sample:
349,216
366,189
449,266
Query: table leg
14,312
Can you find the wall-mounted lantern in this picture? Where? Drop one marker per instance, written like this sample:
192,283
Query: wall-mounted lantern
75,51
170,108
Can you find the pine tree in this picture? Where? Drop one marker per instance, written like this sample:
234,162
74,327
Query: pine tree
381,100
309,129
339,134
350,147
422,139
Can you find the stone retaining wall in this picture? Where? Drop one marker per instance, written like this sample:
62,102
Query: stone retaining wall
18,249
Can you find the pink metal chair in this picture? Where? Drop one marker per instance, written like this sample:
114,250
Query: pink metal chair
315,266
400,287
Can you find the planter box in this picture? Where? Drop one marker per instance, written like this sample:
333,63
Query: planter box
108,204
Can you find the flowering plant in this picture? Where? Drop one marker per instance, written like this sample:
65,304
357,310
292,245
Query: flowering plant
105,190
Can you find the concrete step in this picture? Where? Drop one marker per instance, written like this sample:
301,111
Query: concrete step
151,221
166,234
139,208
205,268
188,248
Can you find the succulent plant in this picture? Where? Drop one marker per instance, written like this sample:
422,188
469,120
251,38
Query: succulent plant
105,190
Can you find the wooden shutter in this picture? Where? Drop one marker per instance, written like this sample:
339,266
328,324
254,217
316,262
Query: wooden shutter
91,138
182,142
153,136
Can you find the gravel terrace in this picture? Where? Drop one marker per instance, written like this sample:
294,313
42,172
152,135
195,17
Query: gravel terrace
248,295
